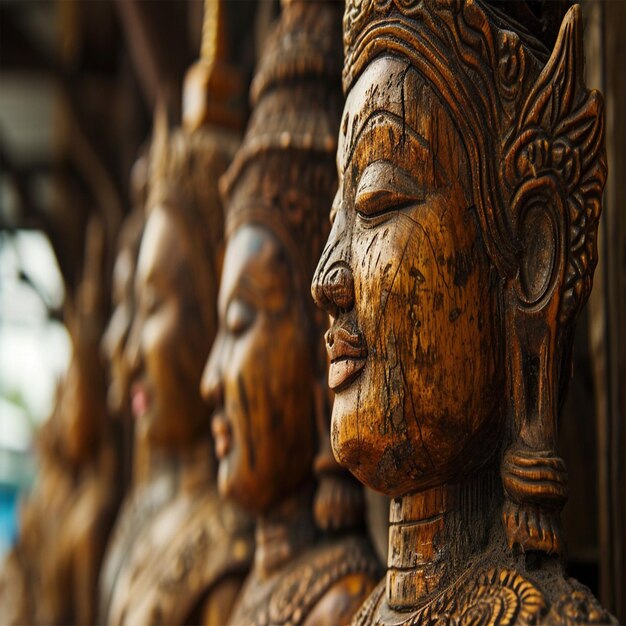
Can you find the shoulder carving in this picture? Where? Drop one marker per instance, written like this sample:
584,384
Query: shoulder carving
301,588
293,594
494,597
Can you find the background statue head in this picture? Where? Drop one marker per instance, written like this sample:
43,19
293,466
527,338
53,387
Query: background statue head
176,282
181,251
122,305
263,377
471,168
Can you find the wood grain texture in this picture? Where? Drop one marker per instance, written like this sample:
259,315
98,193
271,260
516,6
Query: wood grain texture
471,166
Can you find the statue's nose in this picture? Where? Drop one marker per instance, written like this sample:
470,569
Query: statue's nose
333,289
211,384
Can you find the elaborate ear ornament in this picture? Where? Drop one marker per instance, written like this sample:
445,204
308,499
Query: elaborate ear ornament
554,167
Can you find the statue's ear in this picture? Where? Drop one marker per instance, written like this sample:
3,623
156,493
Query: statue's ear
555,170
557,157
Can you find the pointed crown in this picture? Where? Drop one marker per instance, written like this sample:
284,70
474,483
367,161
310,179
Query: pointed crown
213,88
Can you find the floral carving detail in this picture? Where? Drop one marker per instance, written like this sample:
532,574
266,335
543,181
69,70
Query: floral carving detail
560,134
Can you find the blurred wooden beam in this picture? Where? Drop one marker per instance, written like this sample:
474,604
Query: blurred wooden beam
606,57
158,41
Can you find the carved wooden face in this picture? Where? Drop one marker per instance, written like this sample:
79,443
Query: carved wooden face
414,344
168,340
258,379
116,334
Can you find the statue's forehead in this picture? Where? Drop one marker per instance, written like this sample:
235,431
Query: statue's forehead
388,85
161,246
254,260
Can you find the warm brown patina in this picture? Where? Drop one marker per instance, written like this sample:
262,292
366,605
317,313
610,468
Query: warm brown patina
471,166
262,378
179,554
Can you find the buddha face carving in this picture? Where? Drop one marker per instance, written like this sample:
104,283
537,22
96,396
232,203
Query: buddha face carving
258,376
406,279
168,340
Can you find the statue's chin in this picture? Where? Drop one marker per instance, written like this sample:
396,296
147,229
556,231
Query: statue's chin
362,454
251,491
391,465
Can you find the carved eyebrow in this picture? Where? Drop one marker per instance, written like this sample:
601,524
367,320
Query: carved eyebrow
420,142
383,185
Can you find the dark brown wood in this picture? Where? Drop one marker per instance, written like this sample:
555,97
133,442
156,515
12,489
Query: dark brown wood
264,378
471,167
608,305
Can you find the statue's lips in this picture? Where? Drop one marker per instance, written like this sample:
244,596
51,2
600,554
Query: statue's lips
347,353
139,400
220,427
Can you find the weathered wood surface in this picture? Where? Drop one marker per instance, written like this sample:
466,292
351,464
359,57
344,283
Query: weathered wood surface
471,167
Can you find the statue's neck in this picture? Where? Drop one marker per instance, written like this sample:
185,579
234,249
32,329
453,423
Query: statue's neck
190,467
432,535
283,533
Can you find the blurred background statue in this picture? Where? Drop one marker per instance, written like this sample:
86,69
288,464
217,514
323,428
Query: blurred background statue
179,554
68,516
263,377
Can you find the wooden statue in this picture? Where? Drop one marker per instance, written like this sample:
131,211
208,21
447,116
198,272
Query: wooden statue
66,520
179,554
471,166
122,294
262,378
116,333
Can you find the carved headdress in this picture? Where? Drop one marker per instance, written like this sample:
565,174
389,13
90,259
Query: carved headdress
284,177
185,165
534,137
296,100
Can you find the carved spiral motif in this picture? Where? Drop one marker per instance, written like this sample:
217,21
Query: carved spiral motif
503,597
497,597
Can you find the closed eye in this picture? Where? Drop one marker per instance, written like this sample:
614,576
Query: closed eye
384,187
